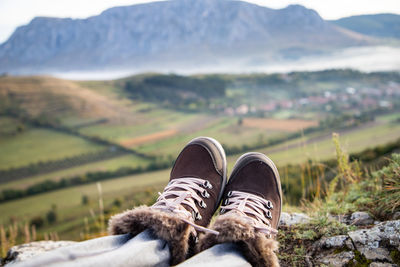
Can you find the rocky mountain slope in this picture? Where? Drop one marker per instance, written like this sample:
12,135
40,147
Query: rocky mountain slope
171,33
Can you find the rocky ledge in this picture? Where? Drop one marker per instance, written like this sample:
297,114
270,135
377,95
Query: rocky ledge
374,244
26,251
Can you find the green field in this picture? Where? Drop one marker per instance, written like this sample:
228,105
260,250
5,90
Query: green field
103,165
34,145
71,211
353,141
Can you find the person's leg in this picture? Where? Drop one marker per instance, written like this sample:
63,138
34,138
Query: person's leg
226,254
250,212
145,249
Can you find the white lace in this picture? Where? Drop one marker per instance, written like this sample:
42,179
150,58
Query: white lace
253,208
188,191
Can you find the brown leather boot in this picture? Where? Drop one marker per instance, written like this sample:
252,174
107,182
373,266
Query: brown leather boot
185,207
250,210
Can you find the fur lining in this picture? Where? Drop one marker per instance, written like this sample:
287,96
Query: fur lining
166,226
256,247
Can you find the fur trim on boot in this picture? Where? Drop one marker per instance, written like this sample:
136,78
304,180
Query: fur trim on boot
257,248
166,226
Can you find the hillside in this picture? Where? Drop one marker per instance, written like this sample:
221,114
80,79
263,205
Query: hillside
379,25
183,31
55,98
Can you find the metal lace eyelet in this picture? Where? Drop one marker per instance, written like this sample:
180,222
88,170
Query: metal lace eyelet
226,202
268,214
207,184
269,205
198,216
229,193
222,211
205,194
203,204
193,215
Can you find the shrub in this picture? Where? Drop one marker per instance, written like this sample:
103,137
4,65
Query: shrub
37,221
85,200
51,215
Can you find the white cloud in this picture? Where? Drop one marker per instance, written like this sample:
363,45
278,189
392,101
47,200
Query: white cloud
14,13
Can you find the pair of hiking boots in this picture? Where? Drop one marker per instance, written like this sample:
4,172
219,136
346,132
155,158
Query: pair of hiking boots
249,213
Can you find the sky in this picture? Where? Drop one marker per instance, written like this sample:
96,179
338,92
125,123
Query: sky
14,13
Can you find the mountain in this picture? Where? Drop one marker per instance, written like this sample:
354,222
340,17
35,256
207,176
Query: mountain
171,33
379,25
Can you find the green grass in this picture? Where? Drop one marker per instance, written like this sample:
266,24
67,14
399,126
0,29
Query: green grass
34,145
104,165
8,126
389,117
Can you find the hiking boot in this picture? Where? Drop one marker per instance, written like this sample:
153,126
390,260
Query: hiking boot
185,207
255,184
200,173
250,210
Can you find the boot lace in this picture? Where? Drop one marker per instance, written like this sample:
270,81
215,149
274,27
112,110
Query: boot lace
188,191
253,208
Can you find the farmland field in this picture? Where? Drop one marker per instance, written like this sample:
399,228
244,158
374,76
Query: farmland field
256,112
71,210
103,165
289,125
35,144
352,141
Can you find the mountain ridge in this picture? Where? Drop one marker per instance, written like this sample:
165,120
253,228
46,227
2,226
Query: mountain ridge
170,32
386,25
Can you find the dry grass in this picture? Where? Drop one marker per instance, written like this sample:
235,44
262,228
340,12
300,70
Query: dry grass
17,233
148,138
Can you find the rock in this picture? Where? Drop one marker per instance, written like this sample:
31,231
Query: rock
396,215
342,218
293,218
361,218
375,243
339,241
26,251
340,259
382,264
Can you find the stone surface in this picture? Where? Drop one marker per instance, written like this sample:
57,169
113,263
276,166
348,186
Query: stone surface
339,241
361,218
396,215
26,251
374,243
339,259
344,218
382,264
288,219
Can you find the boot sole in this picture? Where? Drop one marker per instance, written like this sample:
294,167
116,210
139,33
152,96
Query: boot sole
200,141
254,156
